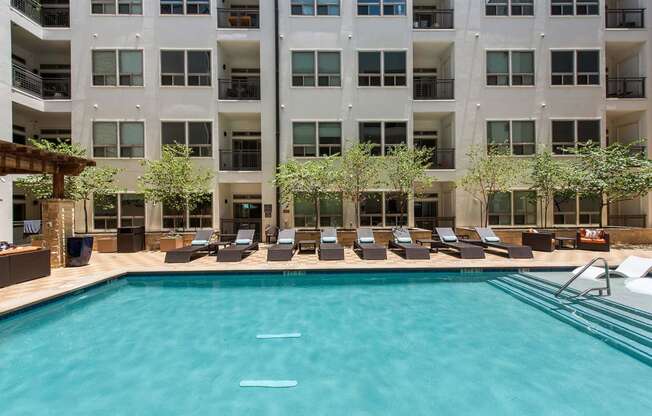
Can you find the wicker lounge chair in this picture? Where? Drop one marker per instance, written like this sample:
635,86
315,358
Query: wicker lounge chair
632,267
329,249
465,250
402,242
244,244
284,248
366,246
200,244
491,240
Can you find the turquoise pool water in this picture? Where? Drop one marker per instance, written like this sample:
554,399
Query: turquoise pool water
409,343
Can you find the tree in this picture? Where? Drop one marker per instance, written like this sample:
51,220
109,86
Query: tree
614,173
313,180
405,172
173,180
95,182
490,172
549,176
356,172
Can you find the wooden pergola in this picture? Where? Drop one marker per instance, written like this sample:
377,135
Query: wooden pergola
21,159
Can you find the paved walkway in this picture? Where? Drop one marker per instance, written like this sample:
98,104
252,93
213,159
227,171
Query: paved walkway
107,266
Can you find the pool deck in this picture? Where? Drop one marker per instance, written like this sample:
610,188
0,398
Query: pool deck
109,266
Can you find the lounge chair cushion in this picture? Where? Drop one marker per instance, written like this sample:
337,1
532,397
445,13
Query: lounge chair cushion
199,243
368,240
286,241
329,239
449,238
593,240
492,239
242,241
405,240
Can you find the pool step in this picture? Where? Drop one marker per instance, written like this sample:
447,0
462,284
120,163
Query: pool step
618,333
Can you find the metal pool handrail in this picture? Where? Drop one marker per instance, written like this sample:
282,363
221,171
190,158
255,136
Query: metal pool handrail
607,288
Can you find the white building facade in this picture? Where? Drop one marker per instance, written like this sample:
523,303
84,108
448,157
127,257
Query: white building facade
248,84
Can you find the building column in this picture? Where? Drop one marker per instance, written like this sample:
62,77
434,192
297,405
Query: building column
6,191
58,223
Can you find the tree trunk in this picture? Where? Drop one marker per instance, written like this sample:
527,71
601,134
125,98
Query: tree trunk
357,212
85,217
317,214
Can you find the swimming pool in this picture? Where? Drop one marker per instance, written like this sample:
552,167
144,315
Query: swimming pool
381,343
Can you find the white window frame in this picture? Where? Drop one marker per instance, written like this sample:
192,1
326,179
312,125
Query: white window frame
187,216
116,4
315,69
509,4
185,10
185,67
574,5
118,209
578,214
512,210
575,132
575,73
317,143
186,123
510,73
408,139
119,148
116,53
315,14
382,68
511,133
381,4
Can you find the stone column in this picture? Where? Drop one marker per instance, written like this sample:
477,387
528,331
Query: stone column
58,217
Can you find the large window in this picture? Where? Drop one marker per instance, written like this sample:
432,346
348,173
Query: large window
512,208
581,67
574,210
312,138
378,209
124,7
197,135
330,212
515,136
315,7
199,217
572,133
382,68
121,210
506,68
180,68
327,72
118,139
509,7
191,7
574,7
122,67
383,135
394,203
381,8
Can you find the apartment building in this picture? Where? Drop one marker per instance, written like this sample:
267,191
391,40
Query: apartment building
250,83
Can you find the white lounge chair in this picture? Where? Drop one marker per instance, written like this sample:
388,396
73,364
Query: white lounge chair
632,267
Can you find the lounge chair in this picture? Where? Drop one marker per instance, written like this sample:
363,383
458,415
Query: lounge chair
329,249
491,240
200,243
366,246
632,267
244,244
402,241
466,251
284,248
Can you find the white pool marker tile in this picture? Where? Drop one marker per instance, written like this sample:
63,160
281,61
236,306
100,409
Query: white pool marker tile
274,384
274,336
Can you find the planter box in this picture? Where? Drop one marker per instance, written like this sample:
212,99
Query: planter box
171,243
107,245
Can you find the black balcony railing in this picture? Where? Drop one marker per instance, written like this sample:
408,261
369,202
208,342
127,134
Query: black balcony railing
628,220
44,15
626,87
625,18
240,160
433,18
442,159
238,18
433,88
47,88
239,89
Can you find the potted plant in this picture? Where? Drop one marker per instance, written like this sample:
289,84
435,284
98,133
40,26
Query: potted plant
171,241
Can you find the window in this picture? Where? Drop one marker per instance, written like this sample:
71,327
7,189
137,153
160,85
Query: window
516,136
202,7
571,133
105,212
330,212
175,63
512,208
309,7
371,209
394,204
103,6
575,7
130,65
327,71
118,139
383,135
324,137
130,7
119,210
497,7
104,68
522,7
569,209
199,136
393,69
589,209
580,67
131,68
501,73
509,7
131,210
381,7
564,209
201,216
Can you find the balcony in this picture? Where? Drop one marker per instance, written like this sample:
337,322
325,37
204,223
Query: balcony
239,88
625,18
46,15
626,87
45,88
425,17
240,160
433,88
238,18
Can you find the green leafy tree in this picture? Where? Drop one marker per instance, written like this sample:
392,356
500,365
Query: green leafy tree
404,169
614,173
356,172
489,172
173,180
549,177
313,180
94,182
